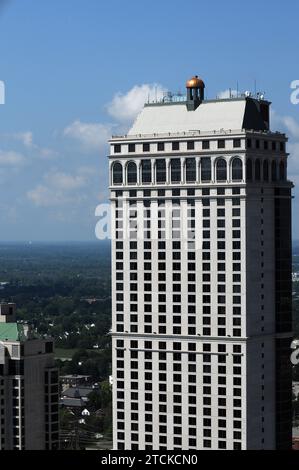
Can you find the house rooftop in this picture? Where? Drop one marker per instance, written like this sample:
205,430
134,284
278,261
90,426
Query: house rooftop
12,332
209,116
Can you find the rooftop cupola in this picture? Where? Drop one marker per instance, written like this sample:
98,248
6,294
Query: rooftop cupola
7,312
195,92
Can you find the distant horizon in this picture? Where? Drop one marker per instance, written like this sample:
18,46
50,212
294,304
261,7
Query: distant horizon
45,242
54,242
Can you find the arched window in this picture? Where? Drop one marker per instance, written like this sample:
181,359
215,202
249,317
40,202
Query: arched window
161,171
175,165
206,169
190,170
237,170
282,171
221,170
117,172
132,173
249,169
146,171
274,171
266,170
257,170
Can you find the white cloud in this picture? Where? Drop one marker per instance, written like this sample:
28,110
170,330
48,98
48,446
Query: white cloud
27,140
126,107
65,181
11,159
58,188
90,135
223,95
292,126
25,137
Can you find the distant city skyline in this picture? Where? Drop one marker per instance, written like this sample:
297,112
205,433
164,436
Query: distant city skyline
75,73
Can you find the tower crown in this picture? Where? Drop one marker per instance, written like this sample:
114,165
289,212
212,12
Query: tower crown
195,92
195,82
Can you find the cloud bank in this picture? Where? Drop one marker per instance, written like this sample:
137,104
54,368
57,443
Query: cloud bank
126,107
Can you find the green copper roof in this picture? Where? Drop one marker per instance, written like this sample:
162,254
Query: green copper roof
11,332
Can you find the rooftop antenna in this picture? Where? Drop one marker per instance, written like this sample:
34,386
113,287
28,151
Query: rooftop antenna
156,97
237,89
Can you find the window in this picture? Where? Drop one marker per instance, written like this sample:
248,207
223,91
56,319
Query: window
175,165
237,170
190,170
132,148
237,143
205,144
257,170
249,169
132,173
146,147
206,170
175,146
221,170
117,148
266,170
221,144
190,145
161,146
161,171
146,171
48,349
117,173
274,171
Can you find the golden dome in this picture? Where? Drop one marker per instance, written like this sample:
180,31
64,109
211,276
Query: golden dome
195,82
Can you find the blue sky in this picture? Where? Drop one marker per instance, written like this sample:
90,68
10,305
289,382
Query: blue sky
75,71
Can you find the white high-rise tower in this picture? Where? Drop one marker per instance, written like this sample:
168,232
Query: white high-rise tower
201,276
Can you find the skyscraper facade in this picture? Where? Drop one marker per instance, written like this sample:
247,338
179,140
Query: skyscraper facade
28,387
201,276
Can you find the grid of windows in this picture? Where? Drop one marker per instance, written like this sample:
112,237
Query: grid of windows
165,364
179,295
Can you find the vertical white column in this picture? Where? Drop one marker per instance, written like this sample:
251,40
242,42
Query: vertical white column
124,173
138,172
153,163
168,178
110,173
183,176
213,160
197,170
